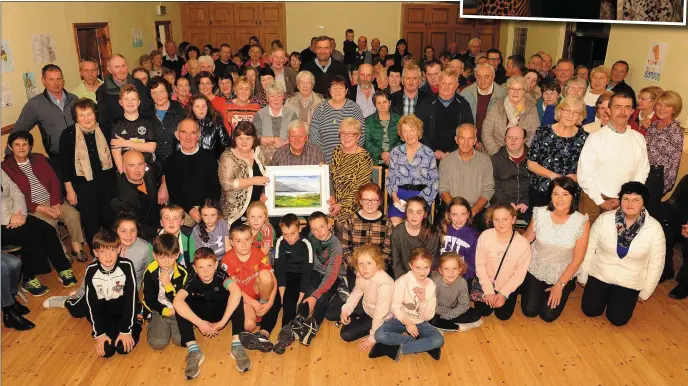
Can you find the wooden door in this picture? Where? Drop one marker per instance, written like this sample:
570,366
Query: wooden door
438,38
104,47
488,34
246,14
439,16
242,35
219,35
416,39
271,15
197,36
415,16
272,33
222,14
196,14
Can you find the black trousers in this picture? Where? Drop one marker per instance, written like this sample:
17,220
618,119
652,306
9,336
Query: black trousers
288,305
618,301
502,313
360,325
211,312
322,305
41,247
93,202
534,298
470,316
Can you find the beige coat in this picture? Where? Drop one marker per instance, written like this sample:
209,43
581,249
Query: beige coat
235,202
494,127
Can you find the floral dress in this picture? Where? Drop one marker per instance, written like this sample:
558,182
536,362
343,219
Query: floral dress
558,154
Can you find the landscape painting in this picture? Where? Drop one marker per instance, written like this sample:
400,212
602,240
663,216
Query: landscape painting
297,191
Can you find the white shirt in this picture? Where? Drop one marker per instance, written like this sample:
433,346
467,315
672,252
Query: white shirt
609,160
590,99
279,78
480,92
366,104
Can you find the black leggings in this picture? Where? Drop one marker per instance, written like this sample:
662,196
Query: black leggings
619,301
470,316
534,298
502,313
360,325
93,202
291,298
211,312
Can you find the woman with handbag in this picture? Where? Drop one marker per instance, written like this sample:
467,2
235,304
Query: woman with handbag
501,263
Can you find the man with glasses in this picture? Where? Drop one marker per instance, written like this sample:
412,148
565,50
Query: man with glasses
511,175
432,77
494,59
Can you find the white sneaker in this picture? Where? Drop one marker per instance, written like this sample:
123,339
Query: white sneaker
55,302
463,327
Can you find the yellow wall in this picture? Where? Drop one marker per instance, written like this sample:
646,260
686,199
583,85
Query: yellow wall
22,20
632,43
545,36
373,20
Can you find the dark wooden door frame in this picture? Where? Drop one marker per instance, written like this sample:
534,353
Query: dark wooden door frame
104,56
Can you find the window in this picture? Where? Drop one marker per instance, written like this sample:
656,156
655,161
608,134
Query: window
520,38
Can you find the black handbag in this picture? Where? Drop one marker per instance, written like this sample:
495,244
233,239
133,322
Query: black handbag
477,293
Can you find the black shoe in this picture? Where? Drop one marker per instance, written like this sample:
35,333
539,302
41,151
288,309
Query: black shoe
255,341
383,350
20,308
435,353
300,329
12,319
680,292
109,350
284,339
666,276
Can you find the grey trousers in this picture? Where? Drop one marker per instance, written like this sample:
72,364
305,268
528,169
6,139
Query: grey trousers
160,330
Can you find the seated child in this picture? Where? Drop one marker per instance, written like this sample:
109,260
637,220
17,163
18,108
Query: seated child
250,269
161,281
262,230
208,301
453,311
413,304
132,132
415,232
171,219
212,232
110,301
361,318
293,267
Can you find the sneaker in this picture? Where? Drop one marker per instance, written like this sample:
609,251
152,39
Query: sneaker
255,341
55,302
193,364
284,339
80,256
243,363
34,287
307,331
67,278
300,330
463,327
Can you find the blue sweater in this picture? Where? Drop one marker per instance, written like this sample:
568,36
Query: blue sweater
464,242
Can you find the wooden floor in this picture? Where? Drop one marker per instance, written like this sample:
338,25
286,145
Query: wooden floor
651,350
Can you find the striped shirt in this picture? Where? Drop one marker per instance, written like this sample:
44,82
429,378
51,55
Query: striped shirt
324,130
409,104
310,155
39,194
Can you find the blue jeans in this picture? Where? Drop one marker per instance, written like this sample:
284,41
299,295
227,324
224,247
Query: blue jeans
392,332
10,270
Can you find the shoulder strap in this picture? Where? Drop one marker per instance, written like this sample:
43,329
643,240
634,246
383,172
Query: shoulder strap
505,252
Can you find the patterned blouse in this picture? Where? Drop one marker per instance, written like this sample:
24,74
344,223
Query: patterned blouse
558,154
422,170
359,231
347,173
664,147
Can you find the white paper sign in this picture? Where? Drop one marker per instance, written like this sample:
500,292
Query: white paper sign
655,61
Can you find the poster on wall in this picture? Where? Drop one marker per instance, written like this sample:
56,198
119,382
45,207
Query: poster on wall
655,61
6,59
30,85
136,37
6,97
43,48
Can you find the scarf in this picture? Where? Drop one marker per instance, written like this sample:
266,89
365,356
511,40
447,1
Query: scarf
319,247
82,164
626,234
513,114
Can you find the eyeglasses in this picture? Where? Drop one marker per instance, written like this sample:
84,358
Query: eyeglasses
367,201
575,113
348,135
516,89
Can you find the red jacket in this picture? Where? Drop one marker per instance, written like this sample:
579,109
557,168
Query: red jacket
635,124
44,173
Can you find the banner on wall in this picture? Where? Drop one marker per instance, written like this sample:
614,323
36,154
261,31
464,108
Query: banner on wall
30,85
655,61
6,59
136,37
6,96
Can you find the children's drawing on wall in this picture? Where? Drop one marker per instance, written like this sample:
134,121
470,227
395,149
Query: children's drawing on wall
6,57
136,37
30,85
6,97
43,48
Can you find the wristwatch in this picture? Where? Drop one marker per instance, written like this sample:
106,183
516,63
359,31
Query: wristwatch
562,284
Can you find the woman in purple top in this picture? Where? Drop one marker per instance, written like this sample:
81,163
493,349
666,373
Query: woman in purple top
665,137
458,236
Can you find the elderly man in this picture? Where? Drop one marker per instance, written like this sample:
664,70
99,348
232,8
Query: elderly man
473,52
618,82
405,101
107,95
298,151
432,77
363,56
494,58
375,47
51,111
511,175
453,51
362,94
467,173
286,76
172,60
137,193
546,68
457,66
324,68
563,71
535,62
442,114
189,174
611,156
483,94
88,69
224,60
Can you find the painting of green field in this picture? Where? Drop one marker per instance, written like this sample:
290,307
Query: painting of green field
305,200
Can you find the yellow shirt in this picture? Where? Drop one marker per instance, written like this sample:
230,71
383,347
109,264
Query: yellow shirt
82,92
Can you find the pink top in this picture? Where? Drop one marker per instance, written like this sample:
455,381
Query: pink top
489,253
405,304
377,297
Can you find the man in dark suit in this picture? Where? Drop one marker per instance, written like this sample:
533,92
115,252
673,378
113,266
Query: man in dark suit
172,60
618,83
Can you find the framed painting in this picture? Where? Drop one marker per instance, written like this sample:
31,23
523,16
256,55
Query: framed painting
301,190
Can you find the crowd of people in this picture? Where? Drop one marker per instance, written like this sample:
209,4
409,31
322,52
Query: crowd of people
503,178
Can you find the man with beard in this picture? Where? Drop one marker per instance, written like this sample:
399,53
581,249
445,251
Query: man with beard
362,94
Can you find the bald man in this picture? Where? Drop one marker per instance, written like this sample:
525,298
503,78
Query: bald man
362,94
362,54
137,193
457,66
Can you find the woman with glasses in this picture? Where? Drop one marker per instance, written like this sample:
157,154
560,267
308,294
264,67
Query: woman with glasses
514,110
555,149
644,113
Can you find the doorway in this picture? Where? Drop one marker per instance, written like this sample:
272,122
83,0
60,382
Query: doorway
163,33
586,43
92,40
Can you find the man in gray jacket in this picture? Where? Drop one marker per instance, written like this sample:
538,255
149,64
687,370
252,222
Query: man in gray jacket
482,94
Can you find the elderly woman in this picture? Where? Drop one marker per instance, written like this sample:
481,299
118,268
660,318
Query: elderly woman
394,76
350,168
192,53
329,115
241,173
381,130
241,109
602,113
583,72
382,81
156,60
87,170
550,97
574,87
305,101
624,260
644,114
42,189
514,110
533,78
182,91
412,169
599,78
555,150
169,113
266,76
272,121
559,237
213,135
